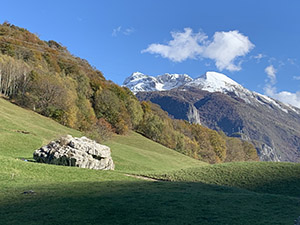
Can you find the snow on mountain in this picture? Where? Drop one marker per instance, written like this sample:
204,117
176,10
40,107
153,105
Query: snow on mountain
218,82
214,82
140,82
210,81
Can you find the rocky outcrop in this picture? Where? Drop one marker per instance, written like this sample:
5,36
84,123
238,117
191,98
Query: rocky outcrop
193,115
80,152
268,153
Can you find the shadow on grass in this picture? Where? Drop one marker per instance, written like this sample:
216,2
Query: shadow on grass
287,186
262,177
144,202
27,159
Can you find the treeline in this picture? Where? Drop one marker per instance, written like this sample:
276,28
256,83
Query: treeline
192,139
46,78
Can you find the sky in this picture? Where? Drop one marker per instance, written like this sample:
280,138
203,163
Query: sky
254,42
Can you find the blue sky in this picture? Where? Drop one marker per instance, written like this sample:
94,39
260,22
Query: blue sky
256,43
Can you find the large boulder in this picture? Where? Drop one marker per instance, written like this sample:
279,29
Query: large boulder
71,151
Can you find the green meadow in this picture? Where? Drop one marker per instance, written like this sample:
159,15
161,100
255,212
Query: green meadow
187,191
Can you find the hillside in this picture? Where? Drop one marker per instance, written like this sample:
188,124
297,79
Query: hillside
23,131
219,103
82,196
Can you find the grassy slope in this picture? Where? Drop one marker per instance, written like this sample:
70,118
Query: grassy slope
136,154
66,195
132,153
15,120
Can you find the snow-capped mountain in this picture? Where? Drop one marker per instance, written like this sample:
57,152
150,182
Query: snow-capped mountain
213,82
218,102
210,81
218,82
138,82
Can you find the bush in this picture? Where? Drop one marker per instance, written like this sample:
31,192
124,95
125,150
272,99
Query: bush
100,131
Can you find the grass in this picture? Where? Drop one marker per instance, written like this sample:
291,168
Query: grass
135,154
233,193
22,131
263,177
141,202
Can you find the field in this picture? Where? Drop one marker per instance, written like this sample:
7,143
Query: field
192,192
263,177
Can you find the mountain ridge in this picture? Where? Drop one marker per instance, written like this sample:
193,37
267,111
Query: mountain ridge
209,81
161,82
272,126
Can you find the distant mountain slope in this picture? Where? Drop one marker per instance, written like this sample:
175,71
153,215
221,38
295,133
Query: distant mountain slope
222,104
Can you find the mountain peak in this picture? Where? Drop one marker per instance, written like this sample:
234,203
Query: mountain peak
134,77
139,82
215,82
218,77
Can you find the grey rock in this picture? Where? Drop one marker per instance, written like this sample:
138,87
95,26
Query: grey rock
72,151
193,115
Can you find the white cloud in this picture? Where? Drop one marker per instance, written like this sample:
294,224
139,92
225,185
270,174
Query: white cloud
120,30
283,96
128,31
224,49
271,72
183,46
116,31
296,77
270,90
258,56
290,98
